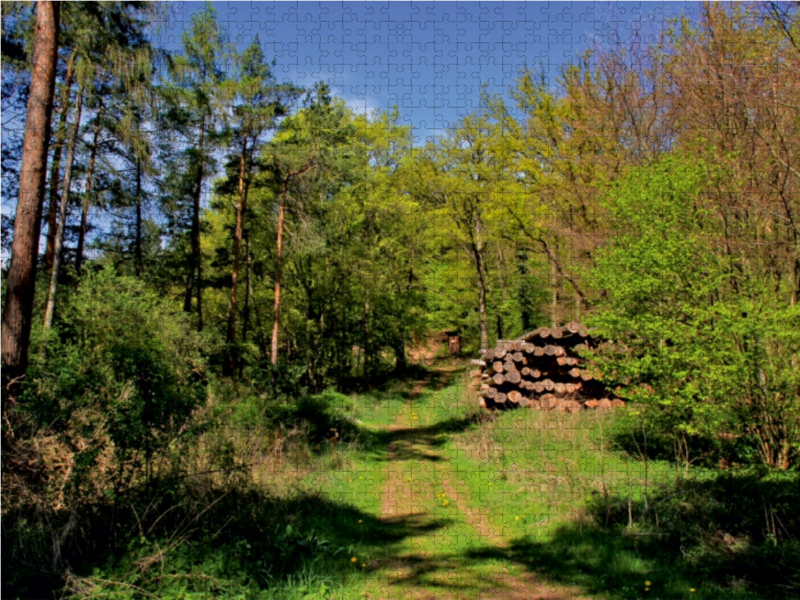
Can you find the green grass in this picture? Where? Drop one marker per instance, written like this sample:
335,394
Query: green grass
478,507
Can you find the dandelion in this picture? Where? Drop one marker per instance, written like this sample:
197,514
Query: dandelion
363,565
360,520
692,590
516,518
647,583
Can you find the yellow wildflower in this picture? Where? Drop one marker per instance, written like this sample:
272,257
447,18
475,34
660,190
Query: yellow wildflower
354,559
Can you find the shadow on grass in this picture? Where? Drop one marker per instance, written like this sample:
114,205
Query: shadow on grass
398,444
222,542
731,536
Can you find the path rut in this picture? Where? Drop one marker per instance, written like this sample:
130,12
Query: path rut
415,469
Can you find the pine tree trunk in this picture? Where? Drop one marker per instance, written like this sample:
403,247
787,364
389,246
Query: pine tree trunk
278,256
230,363
247,294
62,222
21,278
86,199
55,167
194,260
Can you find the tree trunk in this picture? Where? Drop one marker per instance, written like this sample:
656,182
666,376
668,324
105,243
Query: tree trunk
194,260
481,298
21,278
138,241
230,363
278,256
86,199
62,222
55,167
247,294
310,164
501,266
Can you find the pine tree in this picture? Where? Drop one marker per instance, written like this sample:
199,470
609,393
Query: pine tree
21,278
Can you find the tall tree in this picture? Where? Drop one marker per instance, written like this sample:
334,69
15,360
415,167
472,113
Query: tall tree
259,102
62,219
51,217
22,272
465,195
98,32
195,93
87,193
306,142
130,106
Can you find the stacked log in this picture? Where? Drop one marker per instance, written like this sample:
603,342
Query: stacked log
542,370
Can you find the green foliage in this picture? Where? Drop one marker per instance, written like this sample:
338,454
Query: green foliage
122,377
319,417
698,336
722,527
329,415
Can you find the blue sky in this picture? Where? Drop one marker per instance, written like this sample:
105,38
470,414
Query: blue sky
428,58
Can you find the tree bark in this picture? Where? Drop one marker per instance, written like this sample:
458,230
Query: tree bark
278,256
194,260
21,278
62,222
55,167
86,199
138,241
230,363
247,295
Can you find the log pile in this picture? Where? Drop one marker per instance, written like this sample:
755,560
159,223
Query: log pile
542,370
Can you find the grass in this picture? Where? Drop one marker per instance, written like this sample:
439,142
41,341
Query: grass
429,497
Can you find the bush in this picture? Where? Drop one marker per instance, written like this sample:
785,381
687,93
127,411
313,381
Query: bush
107,408
709,343
721,527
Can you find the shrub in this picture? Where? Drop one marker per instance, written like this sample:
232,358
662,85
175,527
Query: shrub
106,408
711,345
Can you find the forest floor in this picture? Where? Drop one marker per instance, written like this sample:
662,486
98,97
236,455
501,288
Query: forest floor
429,497
424,491
457,504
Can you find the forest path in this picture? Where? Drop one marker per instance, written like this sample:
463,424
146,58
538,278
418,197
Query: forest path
452,550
